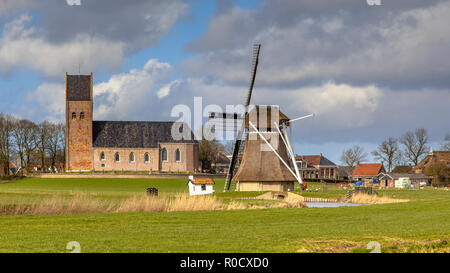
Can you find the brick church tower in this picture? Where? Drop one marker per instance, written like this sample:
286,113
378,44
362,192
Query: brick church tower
79,155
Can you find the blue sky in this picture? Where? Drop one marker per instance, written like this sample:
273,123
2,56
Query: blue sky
368,72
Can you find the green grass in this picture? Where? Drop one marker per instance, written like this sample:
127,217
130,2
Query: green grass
421,225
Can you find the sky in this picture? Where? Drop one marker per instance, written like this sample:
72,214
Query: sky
368,72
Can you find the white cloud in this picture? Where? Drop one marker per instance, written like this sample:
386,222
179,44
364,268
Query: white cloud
22,46
47,102
133,95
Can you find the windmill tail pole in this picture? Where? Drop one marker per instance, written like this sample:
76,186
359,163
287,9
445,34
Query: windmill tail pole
291,152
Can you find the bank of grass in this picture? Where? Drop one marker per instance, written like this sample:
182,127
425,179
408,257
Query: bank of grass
420,225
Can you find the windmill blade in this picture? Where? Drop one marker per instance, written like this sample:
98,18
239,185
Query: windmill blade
237,143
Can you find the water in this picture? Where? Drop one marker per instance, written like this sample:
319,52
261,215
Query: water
330,204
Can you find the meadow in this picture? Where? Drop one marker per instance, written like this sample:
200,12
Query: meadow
420,225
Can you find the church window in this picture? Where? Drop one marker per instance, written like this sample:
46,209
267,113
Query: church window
102,156
82,115
146,158
117,157
177,155
164,154
132,157
74,115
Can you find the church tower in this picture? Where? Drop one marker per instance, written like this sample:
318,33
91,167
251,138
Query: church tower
79,155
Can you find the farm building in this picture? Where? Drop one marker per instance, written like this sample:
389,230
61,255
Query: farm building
387,180
316,166
367,171
433,157
200,186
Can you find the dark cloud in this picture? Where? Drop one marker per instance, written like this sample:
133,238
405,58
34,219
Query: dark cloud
400,45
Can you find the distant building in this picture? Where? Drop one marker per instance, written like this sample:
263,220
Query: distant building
387,180
367,171
432,158
402,169
12,169
316,166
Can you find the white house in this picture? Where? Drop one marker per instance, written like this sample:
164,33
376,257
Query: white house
200,186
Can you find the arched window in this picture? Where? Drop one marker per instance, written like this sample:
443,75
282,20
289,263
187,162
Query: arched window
164,154
146,158
102,156
131,157
82,115
117,157
74,115
177,155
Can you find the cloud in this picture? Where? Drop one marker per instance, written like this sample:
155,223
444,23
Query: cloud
135,95
399,46
24,47
96,35
47,102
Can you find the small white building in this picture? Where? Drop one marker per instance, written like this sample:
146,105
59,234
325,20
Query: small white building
200,186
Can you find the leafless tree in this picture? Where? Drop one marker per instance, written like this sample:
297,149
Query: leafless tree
389,152
55,142
415,145
6,126
228,147
446,145
353,156
24,135
42,141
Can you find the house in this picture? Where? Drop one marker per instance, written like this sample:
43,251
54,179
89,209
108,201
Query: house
402,169
367,171
200,186
316,166
344,172
433,157
387,180
221,164
122,145
12,169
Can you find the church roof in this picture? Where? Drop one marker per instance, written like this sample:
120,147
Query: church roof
134,134
78,87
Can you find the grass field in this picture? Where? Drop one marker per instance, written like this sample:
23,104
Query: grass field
420,225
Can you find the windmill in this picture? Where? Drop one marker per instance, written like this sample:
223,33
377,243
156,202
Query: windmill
279,170
268,162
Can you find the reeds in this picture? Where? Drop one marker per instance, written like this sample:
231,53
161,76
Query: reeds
86,203
363,198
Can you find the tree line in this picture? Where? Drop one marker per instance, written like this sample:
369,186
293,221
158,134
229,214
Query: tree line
29,144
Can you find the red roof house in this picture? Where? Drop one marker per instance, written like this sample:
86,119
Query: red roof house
367,170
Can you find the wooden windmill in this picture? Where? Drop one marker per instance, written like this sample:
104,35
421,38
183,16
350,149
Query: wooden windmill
268,160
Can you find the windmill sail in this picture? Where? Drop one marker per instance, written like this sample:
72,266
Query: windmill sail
238,141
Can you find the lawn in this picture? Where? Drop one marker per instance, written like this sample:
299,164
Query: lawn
421,225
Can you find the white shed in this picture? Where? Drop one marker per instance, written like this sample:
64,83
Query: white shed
200,186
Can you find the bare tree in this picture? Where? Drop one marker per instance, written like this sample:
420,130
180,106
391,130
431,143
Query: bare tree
42,141
55,142
415,145
446,145
389,152
24,135
353,156
6,126
228,147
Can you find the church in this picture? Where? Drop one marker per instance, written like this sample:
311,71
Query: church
120,145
